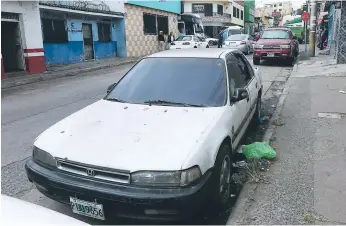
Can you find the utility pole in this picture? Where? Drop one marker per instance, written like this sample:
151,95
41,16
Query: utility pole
312,38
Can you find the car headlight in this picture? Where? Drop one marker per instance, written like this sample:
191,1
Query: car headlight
168,178
285,46
258,46
43,157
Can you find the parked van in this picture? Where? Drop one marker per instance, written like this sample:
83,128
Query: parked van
232,30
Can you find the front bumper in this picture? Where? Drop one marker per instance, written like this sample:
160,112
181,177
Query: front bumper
278,53
121,200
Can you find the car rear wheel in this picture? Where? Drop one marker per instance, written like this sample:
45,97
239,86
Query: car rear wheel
222,178
210,43
207,46
256,61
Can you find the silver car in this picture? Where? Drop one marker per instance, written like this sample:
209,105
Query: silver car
242,42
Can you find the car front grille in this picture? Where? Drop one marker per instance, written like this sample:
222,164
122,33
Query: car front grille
271,47
96,172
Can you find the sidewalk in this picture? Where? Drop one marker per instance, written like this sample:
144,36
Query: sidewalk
307,182
58,71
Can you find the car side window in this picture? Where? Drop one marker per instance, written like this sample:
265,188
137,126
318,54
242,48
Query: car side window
244,67
235,76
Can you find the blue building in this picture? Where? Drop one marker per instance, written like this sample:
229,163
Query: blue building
75,31
143,21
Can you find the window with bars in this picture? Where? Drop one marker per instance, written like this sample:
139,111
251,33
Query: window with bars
238,13
149,21
241,14
154,23
104,32
234,11
162,24
54,31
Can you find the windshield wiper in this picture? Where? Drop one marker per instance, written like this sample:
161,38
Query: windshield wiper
163,102
116,100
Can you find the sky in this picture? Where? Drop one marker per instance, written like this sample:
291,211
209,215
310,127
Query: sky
295,3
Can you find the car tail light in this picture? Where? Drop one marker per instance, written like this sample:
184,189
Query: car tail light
242,42
186,43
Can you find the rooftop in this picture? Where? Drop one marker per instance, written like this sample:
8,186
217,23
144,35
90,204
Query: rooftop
195,53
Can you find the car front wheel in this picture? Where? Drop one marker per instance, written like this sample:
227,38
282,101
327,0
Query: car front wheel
222,178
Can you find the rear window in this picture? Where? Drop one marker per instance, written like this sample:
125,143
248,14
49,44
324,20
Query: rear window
184,38
236,38
275,34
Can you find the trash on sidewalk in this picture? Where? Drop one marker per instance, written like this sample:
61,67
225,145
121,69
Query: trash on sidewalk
262,119
259,150
343,92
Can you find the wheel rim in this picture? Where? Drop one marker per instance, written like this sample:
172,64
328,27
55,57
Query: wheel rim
225,177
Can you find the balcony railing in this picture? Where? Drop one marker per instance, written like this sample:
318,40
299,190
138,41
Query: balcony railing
86,6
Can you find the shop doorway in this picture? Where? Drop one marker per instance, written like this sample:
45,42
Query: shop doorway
11,47
88,42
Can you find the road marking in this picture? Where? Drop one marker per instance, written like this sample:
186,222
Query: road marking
329,115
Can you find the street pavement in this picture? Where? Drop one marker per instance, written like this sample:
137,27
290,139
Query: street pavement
30,109
306,183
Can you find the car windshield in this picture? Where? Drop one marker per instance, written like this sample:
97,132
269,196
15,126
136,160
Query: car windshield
184,38
275,34
173,81
236,38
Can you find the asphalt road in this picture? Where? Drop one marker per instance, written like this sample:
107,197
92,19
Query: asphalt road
28,110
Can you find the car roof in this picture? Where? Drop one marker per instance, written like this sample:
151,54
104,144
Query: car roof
193,53
277,28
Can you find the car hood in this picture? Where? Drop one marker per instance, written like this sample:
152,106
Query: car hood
273,41
128,136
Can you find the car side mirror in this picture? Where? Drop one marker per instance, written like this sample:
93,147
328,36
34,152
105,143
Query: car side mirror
240,94
111,87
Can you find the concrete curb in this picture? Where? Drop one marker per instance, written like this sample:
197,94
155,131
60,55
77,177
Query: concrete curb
248,192
55,75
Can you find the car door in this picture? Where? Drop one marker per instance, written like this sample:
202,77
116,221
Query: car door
251,80
238,109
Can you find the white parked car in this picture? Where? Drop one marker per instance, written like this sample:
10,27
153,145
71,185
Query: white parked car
242,42
18,212
209,40
159,145
188,42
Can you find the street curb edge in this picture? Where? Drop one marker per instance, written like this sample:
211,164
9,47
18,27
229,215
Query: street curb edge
248,191
48,76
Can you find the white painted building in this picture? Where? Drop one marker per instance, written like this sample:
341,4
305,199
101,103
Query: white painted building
216,14
284,8
21,38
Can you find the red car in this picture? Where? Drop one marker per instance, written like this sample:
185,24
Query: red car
276,43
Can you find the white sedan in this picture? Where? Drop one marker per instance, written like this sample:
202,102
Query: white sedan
188,42
159,145
18,212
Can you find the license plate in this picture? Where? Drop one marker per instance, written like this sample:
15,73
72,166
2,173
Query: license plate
89,209
270,54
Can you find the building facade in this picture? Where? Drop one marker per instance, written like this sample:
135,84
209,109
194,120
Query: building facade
284,8
249,18
143,21
217,14
75,31
21,40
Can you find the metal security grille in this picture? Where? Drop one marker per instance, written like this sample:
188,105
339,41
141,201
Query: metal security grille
271,47
9,16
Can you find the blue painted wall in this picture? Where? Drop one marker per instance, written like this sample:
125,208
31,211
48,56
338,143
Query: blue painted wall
173,6
73,50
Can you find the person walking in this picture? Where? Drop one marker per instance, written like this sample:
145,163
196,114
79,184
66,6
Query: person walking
323,38
170,38
161,41
220,40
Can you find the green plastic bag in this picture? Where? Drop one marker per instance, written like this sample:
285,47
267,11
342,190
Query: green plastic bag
259,150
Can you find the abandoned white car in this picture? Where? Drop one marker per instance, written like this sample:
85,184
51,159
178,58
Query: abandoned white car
159,144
